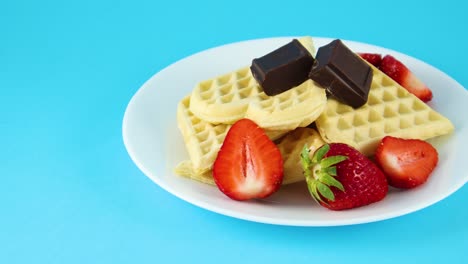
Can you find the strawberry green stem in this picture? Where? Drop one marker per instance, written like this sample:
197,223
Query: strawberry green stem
320,172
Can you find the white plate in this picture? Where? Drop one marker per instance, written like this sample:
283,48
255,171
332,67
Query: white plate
154,143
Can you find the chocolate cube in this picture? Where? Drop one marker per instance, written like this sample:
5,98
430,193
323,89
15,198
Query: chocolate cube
282,69
342,73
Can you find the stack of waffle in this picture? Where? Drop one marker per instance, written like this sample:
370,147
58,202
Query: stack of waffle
205,116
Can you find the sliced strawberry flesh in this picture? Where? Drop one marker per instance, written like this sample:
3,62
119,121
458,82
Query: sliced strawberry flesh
407,163
249,165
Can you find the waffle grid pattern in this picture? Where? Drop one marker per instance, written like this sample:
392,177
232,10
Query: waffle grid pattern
203,140
235,95
290,147
390,110
241,86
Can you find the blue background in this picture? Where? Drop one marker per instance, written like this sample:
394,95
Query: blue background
69,192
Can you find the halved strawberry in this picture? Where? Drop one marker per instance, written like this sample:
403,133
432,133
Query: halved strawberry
373,58
407,163
402,75
249,165
339,177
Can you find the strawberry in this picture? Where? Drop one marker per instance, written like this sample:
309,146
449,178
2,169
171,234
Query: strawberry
373,58
248,165
402,75
406,162
339,177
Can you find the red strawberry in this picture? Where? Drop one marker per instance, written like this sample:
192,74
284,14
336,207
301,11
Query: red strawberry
373,58
406,162
402,75
339,177
249,165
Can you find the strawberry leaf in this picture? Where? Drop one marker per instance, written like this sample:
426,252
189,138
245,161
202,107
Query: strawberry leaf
331,181
306,161
320,153
325,191
330,171
305,158
311,185
332,160
319,173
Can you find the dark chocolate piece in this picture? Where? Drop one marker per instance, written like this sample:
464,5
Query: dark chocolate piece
342,73
282,69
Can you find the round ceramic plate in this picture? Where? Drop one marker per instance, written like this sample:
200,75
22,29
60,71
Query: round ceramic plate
154,143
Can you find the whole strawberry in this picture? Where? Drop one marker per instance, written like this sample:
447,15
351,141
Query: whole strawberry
339,177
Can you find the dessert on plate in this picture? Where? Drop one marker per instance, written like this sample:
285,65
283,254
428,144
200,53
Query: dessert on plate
300,115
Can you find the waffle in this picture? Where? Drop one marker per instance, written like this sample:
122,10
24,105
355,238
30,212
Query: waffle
232,96
185,168
390,110
202,139
290,147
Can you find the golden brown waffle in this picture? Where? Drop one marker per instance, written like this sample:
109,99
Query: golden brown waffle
202,139
390,110
235,95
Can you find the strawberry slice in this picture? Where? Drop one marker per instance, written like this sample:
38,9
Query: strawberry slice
249,165
407,163
402,75
339,177
373,58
